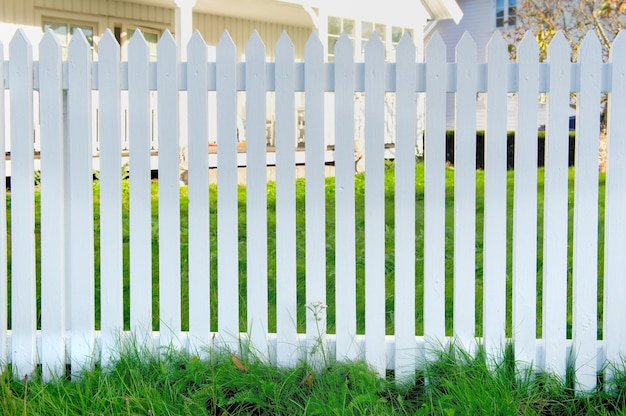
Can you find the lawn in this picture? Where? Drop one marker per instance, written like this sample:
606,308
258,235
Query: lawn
330,237
139,382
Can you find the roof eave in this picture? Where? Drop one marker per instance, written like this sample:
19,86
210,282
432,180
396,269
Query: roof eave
443,9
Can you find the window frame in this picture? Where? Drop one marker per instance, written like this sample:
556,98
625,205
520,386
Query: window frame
508,11
71,25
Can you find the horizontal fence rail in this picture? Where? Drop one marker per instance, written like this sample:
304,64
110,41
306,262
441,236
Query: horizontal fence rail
389,84
397,288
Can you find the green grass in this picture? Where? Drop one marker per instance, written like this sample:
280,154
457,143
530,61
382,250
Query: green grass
140,382
330,244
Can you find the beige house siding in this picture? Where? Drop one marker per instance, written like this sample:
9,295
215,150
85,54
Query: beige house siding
211,27
19,12
105,14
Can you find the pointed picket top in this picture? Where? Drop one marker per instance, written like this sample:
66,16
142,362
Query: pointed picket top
528,48
496,45
313,47
49,47
167,44
225,40
284,55
49,40
374,46
20,43
138,45
108,46
436,48
284,42
558,45
619,43
195,45
79,46
405,45
590,47
255,43
344,48
284,52
466,48
617,54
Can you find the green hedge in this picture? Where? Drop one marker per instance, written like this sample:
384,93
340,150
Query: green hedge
480,148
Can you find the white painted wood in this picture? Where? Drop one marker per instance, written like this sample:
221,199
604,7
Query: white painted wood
23,313
495,197
4,295
404,271
345,249
227,261
81,204
315,200
199,247
52,192
256,193
374,206
435,194
140,216
286,322
614,221
555,217
558,78
111,255
464,315
525,205
169,192
585,240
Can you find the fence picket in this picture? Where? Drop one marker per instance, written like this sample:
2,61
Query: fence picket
53,304
615,222
169,192
464,316
345,251
525,204
585,239
4,296
286,327
23,313
374,205
198,191
495,197
227,243
81,226
435,193
67,218
315,200
140,215
256,193
404,244
555,217
111,252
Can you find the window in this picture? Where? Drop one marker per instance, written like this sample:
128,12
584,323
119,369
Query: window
506,13
360,31
64,32
337,25
396,34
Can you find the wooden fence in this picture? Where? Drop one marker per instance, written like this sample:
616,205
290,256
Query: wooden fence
62,94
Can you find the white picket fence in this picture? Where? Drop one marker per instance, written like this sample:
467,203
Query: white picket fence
64,98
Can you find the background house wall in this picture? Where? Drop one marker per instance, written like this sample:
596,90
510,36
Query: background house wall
479,20
102,14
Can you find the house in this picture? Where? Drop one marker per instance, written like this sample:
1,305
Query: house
390,19
481,19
